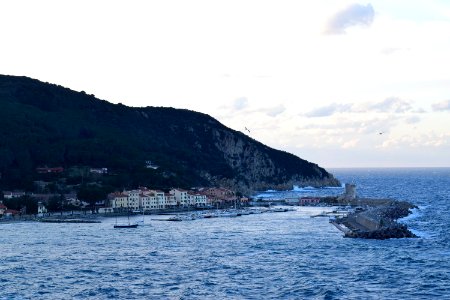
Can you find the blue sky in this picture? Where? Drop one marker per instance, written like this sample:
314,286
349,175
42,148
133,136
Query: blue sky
340,83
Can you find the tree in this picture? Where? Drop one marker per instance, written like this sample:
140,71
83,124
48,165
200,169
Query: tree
92,194
30,204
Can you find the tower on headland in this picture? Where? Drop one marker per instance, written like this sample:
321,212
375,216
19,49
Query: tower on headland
349,194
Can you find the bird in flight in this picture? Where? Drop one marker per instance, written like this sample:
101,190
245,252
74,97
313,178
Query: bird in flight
247,129
380,133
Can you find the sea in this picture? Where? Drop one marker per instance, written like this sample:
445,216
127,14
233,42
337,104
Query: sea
262,256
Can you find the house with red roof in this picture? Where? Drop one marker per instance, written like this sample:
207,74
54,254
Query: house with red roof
3,208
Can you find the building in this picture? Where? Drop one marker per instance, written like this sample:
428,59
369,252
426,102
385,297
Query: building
197,199
3,208
144,199
41,209
45,170
181,196
309,201
133,199
118,200
11,195
219,195
98,170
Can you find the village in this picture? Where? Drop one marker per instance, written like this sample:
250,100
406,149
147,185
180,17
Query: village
137,200
51,197
141,200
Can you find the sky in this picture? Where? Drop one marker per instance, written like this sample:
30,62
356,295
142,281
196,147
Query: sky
338,83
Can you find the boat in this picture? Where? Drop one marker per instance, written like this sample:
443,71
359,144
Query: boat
129,225
126,226
227,214
175,219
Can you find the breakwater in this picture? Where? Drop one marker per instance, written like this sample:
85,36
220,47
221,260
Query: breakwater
378,220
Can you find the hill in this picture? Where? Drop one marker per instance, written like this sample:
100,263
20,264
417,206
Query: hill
43,124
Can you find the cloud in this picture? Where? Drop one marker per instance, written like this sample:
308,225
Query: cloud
350,144
392,50
357,124
391,104
421,141
388,105
275,111
240,103
329,110
412,120
353,15
441,106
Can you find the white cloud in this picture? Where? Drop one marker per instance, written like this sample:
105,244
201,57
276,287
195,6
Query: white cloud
391,104
412,120
441,106
275,111
388,105
240,103
353,15
329,110
390,50
418,141
350,144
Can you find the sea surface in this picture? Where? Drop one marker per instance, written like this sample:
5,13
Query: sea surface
265,256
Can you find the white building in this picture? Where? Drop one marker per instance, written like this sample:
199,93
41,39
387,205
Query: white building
133,199
197,199
41,209
118,201
181,196
170,200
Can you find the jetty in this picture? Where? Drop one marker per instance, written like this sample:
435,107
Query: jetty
375,218
68,221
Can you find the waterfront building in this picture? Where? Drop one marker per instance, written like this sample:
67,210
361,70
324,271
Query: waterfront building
181,196
147,202
146,199
197,199
171,202
133,199
118,200
219,195
307,201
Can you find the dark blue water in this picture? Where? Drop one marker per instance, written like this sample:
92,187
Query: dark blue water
267,256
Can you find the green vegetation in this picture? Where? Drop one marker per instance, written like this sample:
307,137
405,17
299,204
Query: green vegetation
26,204
43,124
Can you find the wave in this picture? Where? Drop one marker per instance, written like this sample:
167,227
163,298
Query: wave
415,213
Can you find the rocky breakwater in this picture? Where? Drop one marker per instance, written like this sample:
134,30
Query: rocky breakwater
378,220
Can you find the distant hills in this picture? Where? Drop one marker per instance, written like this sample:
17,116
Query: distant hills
46,125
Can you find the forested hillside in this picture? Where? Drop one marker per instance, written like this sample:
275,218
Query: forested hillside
42,124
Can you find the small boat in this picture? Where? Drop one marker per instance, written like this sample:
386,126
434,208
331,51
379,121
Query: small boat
226,214
175,219
129,225
126,226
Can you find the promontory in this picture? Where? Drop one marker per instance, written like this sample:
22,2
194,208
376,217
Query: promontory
43,125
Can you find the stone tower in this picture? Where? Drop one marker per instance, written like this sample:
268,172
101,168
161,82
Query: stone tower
349,193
